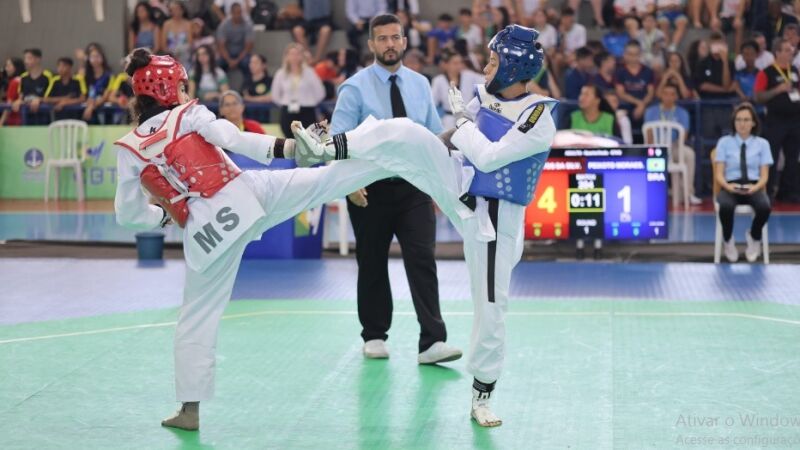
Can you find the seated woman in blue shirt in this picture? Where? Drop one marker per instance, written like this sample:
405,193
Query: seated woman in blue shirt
741,167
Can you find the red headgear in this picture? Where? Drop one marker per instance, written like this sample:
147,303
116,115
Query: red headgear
160,79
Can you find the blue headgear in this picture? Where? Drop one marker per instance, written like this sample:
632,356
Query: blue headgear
521,57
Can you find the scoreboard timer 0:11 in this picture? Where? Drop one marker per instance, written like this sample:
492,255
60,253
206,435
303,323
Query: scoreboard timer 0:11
618,193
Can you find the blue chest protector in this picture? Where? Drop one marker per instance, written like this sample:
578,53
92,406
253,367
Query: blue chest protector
514,182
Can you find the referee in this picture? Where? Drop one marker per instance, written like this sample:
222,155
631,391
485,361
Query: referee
393,207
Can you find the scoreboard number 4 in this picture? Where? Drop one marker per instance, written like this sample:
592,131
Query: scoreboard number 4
547,201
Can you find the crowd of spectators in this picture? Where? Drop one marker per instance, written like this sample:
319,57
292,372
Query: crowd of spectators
634,73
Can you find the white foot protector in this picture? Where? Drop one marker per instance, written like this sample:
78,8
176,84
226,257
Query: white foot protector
480,405
186,418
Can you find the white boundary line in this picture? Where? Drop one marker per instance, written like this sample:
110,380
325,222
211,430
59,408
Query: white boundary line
409,313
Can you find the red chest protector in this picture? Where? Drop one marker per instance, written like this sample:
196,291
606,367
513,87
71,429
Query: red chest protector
180,168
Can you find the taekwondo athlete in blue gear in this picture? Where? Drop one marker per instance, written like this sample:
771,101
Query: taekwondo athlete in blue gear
499,148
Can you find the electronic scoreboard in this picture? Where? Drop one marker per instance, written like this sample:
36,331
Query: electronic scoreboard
601,193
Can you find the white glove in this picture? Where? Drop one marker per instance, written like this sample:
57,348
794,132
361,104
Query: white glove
456,100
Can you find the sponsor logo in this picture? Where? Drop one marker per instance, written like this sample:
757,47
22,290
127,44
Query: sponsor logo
34,158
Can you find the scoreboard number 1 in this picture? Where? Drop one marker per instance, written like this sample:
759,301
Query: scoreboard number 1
625,195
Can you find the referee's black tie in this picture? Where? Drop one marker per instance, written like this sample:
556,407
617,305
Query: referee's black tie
743,163
398,108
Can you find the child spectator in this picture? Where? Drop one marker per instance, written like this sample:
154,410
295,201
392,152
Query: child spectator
652,41
257,88
207,81
677,74
65,90
97,76
580,75
9,89
745,79
606,68
441,36
765,57
33,84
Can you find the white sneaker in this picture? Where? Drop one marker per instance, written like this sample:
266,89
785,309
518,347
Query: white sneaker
480,410
730,250
753,250
376,349
186,418
439,352
310,148
694,200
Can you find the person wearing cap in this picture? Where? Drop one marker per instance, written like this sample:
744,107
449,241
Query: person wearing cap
493,156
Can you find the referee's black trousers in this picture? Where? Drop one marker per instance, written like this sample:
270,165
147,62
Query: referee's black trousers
396,208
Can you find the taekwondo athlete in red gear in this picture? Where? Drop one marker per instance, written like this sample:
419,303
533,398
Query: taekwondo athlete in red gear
175,154
501,142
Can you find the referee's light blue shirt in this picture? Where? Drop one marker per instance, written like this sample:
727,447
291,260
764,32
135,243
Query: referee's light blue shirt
757,154
367,93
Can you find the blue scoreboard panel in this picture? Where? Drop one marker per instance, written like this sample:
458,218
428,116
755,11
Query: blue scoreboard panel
604,193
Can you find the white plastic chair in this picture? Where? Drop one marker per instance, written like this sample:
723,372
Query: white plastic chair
343,223
661,133
68,142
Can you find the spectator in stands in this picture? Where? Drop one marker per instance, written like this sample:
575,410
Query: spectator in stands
764,59
696,11
571,37
501,18
525,10
207,81
296,89
176,34
443,35
668,110
316,27
235,40
621,116
698,51
231,107
200,35
548,36
732,19
33,85
616,38
580,75
594,114
98,79
606,69
652,41
222,8
10,90
745,79
634,82
713,77
65,90
453,71
470,32
776,22
672,13
676,74
777,88
143,30
359,13
741,167
411,7
257,88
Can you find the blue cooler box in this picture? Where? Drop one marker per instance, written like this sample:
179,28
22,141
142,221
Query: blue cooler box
290,239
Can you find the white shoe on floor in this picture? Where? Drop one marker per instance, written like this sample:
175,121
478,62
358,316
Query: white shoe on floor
753,250
439,352
694,200
480,410
186,418
376,349
731,253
